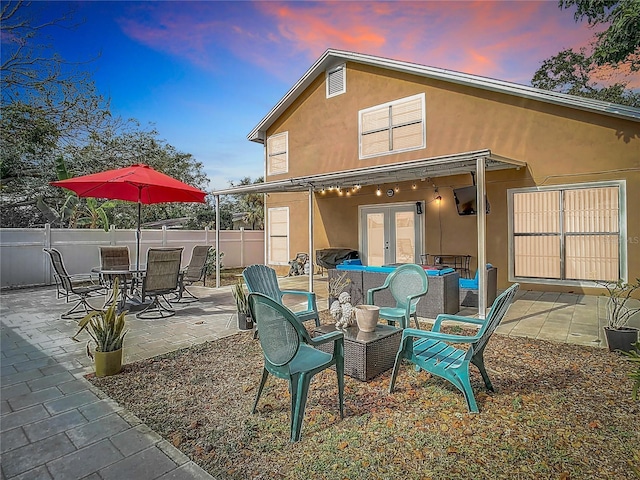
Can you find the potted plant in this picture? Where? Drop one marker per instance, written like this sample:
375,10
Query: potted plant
244,315
107,331
620,336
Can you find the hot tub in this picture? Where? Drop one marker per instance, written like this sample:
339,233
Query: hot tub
442,295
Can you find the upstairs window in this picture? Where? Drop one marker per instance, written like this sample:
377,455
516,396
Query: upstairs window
277,154
394,127
336,81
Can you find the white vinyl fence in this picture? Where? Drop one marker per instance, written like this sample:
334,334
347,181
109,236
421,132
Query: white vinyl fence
23,263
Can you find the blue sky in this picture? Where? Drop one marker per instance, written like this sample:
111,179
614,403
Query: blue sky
206,72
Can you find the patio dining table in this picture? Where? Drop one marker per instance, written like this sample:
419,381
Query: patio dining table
128,299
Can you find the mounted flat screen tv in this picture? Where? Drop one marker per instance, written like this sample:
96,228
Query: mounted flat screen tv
466,203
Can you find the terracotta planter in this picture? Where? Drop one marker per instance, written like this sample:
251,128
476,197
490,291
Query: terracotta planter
108,363
621,338
367,317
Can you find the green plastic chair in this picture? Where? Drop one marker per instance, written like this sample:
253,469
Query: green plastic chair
289,354
431,350
407,284
263,279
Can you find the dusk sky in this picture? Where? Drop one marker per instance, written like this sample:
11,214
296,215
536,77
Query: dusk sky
205,73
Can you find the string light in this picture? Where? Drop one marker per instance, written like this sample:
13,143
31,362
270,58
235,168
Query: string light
322,191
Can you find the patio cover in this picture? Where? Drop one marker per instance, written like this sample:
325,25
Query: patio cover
478,161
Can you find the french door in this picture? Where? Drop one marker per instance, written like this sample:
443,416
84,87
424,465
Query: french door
390,233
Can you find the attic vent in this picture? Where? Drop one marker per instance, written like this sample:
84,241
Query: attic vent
336,81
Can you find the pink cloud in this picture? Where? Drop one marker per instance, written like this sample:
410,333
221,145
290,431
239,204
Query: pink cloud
506,40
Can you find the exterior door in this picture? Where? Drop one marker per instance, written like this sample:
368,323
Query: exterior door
390,234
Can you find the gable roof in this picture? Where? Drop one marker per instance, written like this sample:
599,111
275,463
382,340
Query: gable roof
332,58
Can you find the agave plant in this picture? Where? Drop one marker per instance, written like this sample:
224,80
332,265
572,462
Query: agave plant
241,298
105,327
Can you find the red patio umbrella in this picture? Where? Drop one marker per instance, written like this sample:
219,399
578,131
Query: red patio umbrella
137,183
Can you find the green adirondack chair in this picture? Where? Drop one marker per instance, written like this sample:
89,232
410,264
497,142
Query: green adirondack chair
289,354
407,284
263,279
431,350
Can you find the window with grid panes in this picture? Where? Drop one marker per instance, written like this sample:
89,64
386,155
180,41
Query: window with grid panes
277,153
393,127
278,235
567,233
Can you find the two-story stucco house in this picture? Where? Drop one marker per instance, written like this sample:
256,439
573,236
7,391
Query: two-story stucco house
373,154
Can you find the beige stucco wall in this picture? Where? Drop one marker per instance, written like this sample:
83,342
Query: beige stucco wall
559,144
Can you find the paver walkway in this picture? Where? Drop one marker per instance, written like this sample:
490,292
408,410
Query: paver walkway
55,425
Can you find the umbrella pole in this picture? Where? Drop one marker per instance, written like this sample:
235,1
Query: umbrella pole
138,236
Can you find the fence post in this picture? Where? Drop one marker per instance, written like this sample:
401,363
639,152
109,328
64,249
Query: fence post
112,234
164,235
242,247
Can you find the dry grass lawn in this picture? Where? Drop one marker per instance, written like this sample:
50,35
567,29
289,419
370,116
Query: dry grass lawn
559,412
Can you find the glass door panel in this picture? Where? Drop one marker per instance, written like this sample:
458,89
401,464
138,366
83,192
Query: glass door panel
405,237
375,238
390,234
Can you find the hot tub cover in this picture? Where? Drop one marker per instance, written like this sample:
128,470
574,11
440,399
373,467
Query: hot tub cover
330,257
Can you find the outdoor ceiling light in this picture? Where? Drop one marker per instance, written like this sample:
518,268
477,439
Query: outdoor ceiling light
414,186
397,188
378,191
322,191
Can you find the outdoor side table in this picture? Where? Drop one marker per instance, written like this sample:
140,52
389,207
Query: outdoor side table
366,354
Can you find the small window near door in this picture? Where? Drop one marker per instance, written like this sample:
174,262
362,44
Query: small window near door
278,249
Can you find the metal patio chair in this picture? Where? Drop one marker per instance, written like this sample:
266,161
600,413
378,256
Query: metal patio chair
192,273
73,287
115,258
160,279
289,354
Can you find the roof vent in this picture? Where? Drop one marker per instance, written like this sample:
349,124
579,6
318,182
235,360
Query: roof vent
336,81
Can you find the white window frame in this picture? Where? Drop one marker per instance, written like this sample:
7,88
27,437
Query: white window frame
388,105
622,232
335,69
270,170
270,236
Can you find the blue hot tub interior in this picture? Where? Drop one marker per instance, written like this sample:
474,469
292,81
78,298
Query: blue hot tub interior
356,265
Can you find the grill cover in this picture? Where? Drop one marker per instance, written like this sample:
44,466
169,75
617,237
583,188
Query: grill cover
330,257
